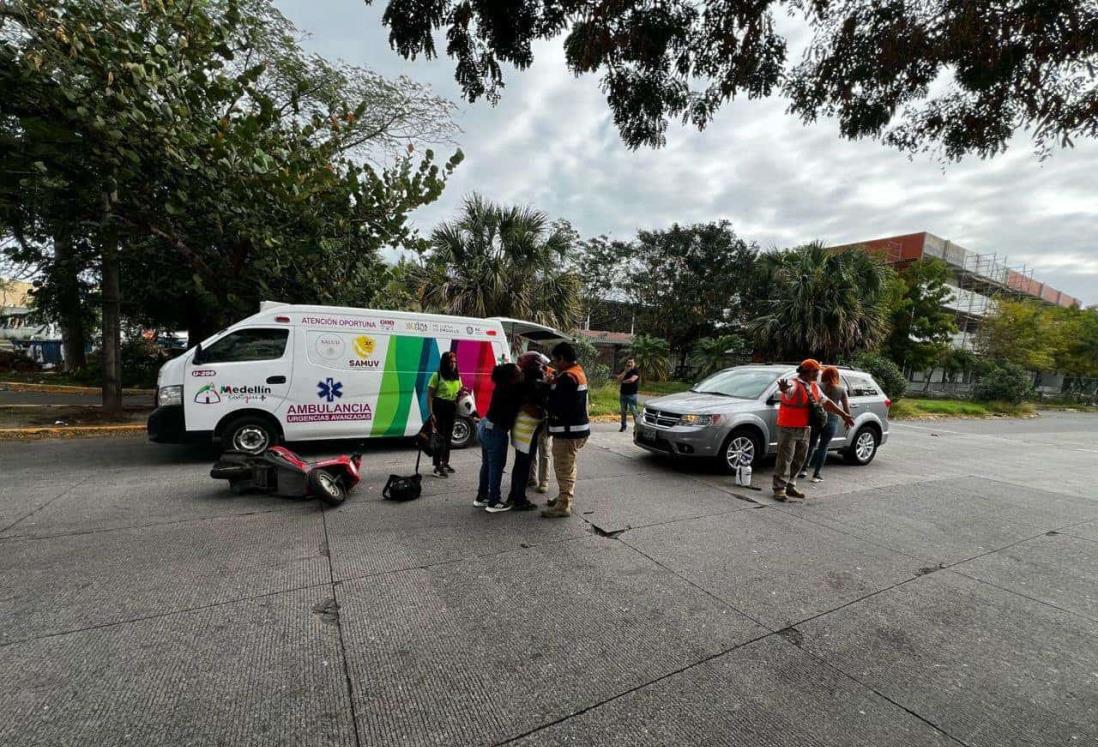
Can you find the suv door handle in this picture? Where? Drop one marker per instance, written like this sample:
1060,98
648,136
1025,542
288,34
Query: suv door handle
276,379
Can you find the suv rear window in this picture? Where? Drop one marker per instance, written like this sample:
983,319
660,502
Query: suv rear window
247,345
860,385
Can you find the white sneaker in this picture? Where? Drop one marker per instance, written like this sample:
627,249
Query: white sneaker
480,502
496,508
816,479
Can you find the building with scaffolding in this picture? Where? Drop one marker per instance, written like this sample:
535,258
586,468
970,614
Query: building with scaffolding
978,279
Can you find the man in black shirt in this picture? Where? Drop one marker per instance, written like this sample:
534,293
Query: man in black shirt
627,396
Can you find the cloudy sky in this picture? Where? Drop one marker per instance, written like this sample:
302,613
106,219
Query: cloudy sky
551,143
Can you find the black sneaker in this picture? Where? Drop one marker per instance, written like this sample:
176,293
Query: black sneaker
499,507
440,472
480,502
523,506
622,429
449,469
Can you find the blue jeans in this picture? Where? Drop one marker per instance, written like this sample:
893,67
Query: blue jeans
817,458
628,405
493,458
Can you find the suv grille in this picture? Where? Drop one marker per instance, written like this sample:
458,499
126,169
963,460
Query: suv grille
661,418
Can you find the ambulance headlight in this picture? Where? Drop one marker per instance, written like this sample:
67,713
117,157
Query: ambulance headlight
166,396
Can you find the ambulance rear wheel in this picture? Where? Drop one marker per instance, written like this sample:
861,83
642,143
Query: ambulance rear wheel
463,434
252,434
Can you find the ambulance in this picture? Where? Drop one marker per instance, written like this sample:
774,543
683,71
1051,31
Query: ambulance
305,373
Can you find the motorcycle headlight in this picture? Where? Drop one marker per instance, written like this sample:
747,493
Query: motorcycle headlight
169,395
700,419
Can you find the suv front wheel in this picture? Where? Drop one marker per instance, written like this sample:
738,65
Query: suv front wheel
742,447
863,447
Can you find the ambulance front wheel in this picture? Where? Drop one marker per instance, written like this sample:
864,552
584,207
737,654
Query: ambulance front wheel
464,433
252,434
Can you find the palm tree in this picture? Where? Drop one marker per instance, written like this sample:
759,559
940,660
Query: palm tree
653,356
499,261
711,353
823,303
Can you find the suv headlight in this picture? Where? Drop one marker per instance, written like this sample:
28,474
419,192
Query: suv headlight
169,395
700,419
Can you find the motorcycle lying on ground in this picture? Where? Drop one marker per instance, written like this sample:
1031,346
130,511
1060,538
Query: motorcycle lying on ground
279,471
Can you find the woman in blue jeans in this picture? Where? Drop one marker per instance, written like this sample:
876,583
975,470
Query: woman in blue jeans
831,385
493,430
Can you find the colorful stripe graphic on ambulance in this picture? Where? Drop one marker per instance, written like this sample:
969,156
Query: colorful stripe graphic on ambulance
475,360
409,364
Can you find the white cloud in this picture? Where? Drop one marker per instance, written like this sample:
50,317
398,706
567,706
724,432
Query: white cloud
551,143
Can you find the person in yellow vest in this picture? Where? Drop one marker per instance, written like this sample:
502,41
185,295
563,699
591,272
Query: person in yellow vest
794,425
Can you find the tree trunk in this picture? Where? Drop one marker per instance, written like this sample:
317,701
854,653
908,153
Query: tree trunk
112,328
70,315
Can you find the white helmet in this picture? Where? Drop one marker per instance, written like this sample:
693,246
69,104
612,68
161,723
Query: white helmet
466,405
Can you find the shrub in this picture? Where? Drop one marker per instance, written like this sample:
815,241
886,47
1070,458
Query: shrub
887,374
598,373
16,362
1004,382
141,361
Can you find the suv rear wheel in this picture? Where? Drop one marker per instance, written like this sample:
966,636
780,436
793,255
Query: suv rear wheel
863,447
743,446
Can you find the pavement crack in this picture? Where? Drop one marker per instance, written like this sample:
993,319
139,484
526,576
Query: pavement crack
329,614
792,635
328,611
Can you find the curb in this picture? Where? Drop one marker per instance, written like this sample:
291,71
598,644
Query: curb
20,386
69,431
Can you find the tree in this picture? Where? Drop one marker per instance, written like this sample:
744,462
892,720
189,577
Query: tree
920,324
1025,333
653,357
711,354
996,68
204,159
822,303
689,282
495,260
1077,354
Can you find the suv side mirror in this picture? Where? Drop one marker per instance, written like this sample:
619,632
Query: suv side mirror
198,358
773,399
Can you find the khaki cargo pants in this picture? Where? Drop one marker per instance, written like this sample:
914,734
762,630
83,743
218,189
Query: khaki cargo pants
564,466
543,457
792,451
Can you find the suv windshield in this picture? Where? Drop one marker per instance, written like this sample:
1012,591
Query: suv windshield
745,383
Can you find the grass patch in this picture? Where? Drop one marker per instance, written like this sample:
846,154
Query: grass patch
664,387
957,408
603,401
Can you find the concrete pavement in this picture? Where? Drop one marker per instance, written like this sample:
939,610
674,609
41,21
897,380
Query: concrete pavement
945,594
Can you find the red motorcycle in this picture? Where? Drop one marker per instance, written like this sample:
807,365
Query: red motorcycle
279,471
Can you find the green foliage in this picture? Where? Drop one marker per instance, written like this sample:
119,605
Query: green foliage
688,282
1005,382
961,76
653,356
712,353
496,260
885,372
826,304
199,141
598,373
1077,353
920,326
1025,333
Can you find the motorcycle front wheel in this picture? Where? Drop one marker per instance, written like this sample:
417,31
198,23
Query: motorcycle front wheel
327,487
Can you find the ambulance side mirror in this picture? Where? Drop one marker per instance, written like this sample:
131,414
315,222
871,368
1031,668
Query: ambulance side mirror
197,359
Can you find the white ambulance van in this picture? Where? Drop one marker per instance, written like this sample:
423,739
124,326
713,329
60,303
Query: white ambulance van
301,373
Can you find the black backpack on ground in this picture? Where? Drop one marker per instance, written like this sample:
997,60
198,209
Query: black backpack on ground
398,488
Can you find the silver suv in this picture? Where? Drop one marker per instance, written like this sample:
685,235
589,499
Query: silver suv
732,416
